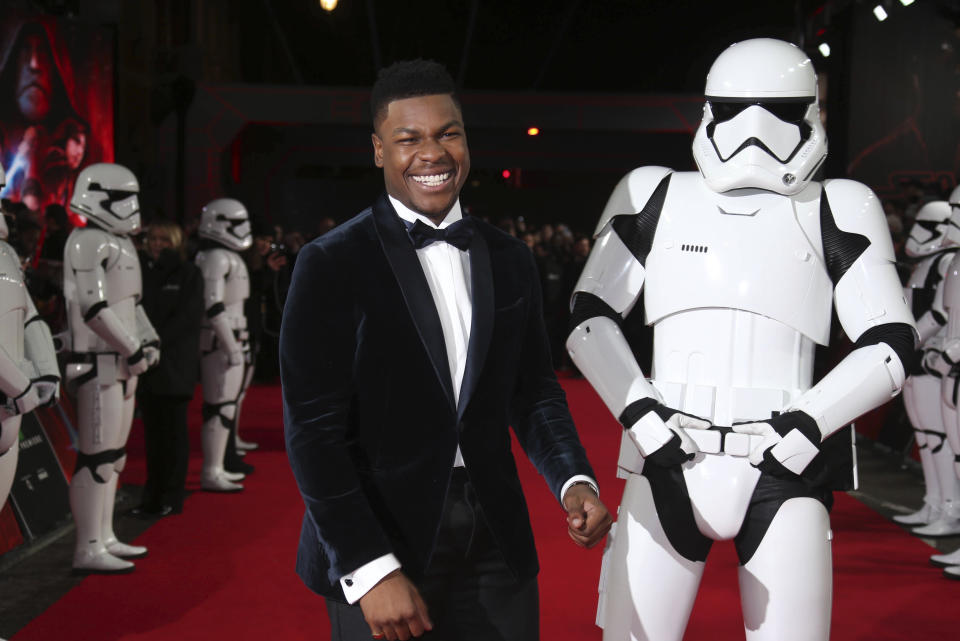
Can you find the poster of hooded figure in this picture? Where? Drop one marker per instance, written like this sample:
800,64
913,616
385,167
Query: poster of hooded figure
56,106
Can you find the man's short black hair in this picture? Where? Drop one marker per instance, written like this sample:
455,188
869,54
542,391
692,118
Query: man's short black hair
409,79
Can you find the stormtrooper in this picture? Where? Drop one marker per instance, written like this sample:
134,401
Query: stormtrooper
932,247
111,342
224,343
29,375
740,266
947,364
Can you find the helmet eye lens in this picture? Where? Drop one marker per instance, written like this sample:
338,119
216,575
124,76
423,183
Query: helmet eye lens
792,111
113,195
788,111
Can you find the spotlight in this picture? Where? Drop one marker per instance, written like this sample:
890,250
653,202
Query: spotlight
328,5
824,49
505,173
906,3
880,13
533,131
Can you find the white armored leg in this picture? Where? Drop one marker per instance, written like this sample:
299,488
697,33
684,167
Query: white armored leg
99,412
650,588
786,586
114,545
948,521
9,452
919,401
221,387
242,445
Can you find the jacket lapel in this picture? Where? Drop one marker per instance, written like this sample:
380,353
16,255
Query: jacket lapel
413,284
481,326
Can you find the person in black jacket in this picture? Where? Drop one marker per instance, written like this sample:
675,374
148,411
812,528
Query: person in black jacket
173,301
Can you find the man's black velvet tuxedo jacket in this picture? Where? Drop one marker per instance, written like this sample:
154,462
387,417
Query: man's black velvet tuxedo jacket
371,426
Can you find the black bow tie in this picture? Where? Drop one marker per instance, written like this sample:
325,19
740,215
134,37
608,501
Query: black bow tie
458,234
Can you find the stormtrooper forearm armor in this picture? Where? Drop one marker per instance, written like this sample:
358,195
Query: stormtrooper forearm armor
97,314
38,345
145,331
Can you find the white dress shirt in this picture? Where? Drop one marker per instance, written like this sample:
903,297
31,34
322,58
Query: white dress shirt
447,270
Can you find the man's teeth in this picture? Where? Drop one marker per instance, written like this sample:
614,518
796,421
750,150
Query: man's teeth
434,180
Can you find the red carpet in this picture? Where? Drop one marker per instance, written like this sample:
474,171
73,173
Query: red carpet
224,568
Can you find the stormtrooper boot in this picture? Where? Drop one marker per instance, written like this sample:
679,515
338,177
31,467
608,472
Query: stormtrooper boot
87,503
947,525
214,478
946,560
115,546
928,513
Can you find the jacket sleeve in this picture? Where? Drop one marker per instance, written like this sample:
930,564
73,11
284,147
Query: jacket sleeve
317,347
539,413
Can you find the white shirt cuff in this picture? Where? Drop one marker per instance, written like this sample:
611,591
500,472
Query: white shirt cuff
361,580
575,479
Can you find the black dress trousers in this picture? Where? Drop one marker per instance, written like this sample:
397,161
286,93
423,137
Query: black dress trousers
470,592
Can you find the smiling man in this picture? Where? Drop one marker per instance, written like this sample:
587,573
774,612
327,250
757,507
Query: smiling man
412,339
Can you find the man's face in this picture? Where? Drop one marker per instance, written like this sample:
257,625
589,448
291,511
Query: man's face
33,83
422,148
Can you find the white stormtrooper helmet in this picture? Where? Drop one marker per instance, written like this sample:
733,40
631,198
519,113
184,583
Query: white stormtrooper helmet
761,123
953,224
106,193
225,220
929,231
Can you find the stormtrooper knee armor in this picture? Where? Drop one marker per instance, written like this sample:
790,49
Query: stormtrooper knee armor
224,342
111,343
29,376
739,266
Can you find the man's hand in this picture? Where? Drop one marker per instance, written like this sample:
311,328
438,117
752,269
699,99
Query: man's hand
276,261
588,520
395,609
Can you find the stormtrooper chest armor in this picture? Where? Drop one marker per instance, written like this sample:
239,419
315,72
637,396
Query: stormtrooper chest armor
749,250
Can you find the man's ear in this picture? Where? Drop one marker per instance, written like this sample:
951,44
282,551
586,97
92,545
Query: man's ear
377,150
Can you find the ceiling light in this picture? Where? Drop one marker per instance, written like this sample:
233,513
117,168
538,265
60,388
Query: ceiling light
824,49
880,12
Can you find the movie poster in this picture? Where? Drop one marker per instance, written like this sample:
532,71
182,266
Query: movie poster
56,107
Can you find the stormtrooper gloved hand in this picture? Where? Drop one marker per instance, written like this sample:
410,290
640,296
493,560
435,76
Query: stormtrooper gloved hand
25,401
151,352
137,362
789,442
48,390
658,431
